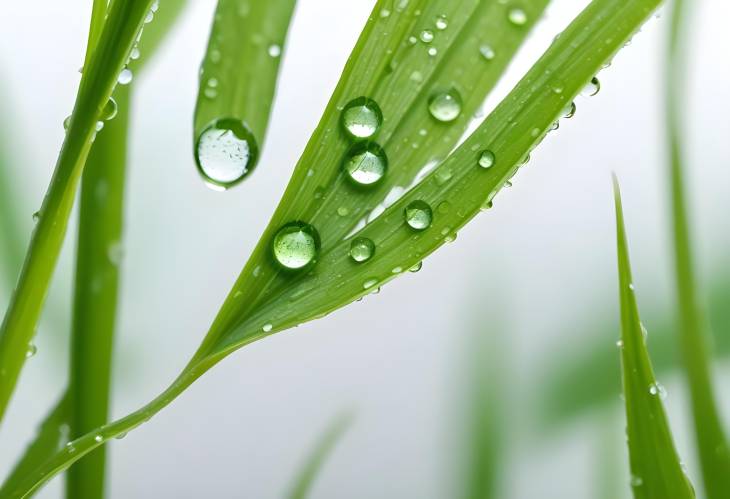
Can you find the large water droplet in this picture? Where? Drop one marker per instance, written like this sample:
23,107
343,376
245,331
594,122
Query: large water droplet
365,163
426,36
109,111
362,249
125,77
296,245
226,152
442,22
445,106
487,159
418,215
361,118
517,16
592,87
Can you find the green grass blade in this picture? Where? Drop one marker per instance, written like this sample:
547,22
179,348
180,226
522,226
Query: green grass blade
656,470
49,439
533,106
96,26
302,486
97,273
97,83
712,443
238,81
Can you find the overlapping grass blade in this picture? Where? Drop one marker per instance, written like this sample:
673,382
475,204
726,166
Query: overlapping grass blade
49,439
120,31
710,436
302,485
98,255
510,132
656,471
576,384
237,85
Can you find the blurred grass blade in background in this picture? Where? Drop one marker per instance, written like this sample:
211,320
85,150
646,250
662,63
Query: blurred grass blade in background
50,438
237,86
302,486
100,76
656,471
694,337
98,258
295,275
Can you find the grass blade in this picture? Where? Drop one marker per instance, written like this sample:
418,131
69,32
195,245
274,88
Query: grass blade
712,443
49,439
237,86
656,470
534,105
97,273
120,31
302,486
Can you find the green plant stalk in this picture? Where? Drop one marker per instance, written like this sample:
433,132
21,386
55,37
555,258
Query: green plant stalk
655,466
97,83
591,40
96,26
241,65
49,439
302,486
95,294
711,441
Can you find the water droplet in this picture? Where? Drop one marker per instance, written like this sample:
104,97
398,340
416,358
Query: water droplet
445,106
416,267
274,50
442,23
226,152
149,17
369,283
125,77
362,249
134,54
296,245
109,111
412,40
115,253
384,13
487,52
99,126
31,351
418,215
620,343
517,16
433,51
636,481
365,163
658,389
98,438
426,36
569,110
592,87
36,216
361,118
267,327
343,211
121,435
487,159
66,122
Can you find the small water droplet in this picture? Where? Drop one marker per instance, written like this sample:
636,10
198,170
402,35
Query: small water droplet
517,16
433,51
486,159
445,106
636,481
487,52
416,267
441,22
134,54
121,435
36,216
274,50
592,87
31,351
98,438
296,245
384,13
369,283
99,126
620,343
267,327
125,77
226,152
426,36
110,110
362,249
361,118
569,110
658,389
418,215
66,122
365,164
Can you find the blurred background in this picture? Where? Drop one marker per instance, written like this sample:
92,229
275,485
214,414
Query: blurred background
534,279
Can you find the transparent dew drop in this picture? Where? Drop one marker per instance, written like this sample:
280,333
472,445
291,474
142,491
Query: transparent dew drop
134,54
361,118
569,110
486,159
369,283
418,215
98,438
31,351
274,50
99,126
125,77
109,111
487,52
442,23
362,249
636,481
433,51
416,267
517,16
592,87
66,122
426,36
445,106
296,245
226,152
365,164
266,328
658,389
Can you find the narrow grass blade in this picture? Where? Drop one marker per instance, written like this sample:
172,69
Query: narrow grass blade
712,443
302,486
96,285
656,471
49,439
237,85
510,132
121,28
